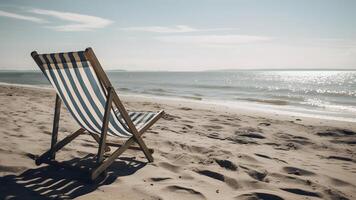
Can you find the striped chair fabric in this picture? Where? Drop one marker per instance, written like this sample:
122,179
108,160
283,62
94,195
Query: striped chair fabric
78,86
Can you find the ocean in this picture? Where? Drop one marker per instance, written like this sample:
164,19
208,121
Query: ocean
328,94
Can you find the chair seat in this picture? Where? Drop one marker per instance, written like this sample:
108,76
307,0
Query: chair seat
139,119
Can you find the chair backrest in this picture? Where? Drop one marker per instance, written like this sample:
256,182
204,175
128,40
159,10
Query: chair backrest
77,84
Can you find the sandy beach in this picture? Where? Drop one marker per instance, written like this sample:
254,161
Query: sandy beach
201,151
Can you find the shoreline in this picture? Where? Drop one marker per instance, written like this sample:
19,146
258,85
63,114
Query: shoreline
228,106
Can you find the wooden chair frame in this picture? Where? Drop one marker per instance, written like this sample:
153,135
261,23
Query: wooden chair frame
112,98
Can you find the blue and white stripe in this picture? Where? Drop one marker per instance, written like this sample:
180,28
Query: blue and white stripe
77,84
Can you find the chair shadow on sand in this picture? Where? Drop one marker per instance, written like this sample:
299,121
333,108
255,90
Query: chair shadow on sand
51,182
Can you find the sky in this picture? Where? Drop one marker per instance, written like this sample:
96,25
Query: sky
183,35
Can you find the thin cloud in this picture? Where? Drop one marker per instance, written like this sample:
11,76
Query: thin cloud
214,39
161,29
79,22
171,29
21,17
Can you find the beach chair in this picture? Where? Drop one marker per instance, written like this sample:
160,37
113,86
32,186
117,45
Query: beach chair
84,88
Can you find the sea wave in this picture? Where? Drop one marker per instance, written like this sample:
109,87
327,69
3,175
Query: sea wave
296,89
158,90
192,97
328,105
267,101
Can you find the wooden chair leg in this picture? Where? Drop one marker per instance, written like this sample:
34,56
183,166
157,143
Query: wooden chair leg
143,146
108,161
101,149
57,111
58,146
97,139
104,128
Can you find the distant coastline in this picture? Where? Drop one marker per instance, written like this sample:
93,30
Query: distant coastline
210,70
281,69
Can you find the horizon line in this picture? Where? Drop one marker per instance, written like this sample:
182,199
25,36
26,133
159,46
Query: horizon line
208,70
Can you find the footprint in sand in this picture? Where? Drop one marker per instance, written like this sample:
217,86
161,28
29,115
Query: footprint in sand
169,117
41,127
185,108
185,192
300,141
15,135
212,174
215,120
262,156
215,136
237,140
347,141
258,196
212,127
89,141
227,164
186,127
297,171
153,132
88,145
188,121
336,133
254,135
264,124
301,192
287,146
257,174
272,144
341,158
340,183
158,179
267,157
220,177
